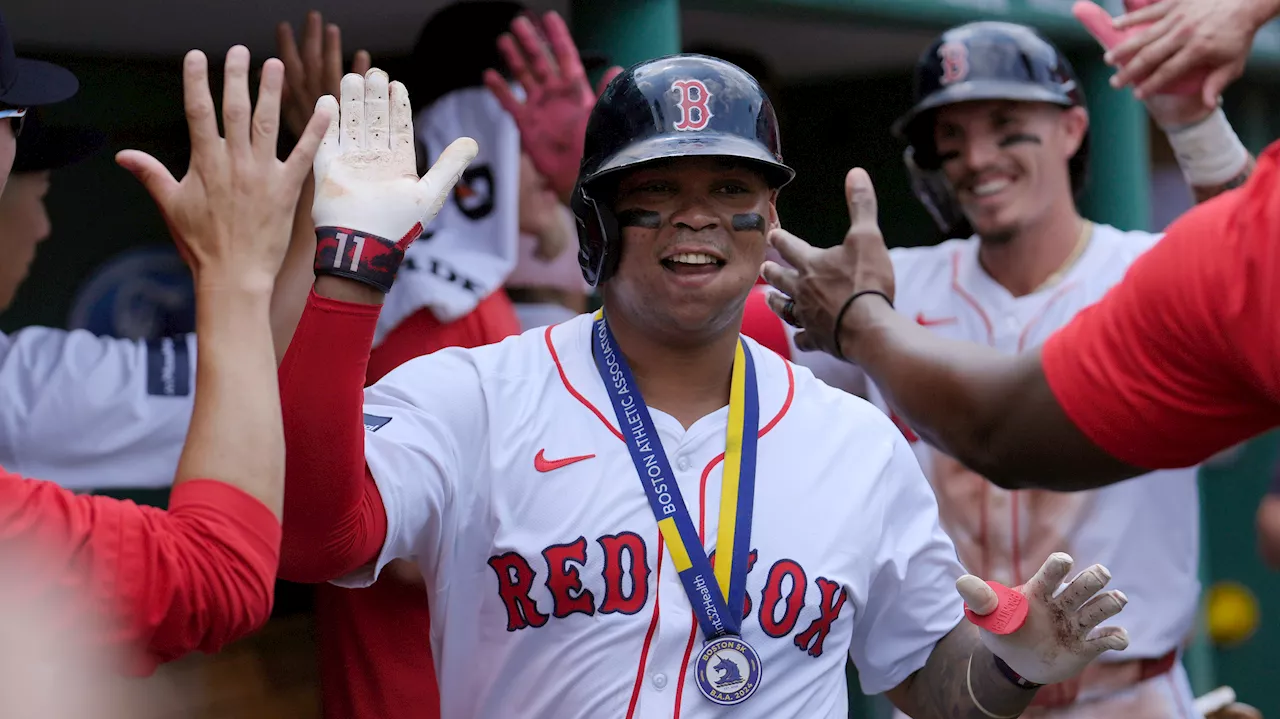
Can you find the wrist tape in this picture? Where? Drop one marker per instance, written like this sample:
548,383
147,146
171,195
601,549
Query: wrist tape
360,256
1209,152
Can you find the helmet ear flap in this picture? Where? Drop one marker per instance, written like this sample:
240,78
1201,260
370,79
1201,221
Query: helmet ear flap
934,191
598,237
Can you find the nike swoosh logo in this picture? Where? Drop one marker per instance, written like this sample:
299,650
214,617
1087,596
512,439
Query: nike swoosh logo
928,322
542,464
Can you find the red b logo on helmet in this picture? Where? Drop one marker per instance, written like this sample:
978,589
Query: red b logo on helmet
955,62
694,113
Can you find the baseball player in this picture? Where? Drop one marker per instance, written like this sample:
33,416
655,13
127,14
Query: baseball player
200,575
998,149
1166,370
560,490
450,294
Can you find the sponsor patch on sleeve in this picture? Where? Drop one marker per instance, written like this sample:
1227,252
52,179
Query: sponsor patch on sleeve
168,367
373,423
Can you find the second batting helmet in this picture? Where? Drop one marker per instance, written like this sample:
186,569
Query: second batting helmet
983,61
676,106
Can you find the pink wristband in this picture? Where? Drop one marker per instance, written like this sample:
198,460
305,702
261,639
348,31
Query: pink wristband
1009,615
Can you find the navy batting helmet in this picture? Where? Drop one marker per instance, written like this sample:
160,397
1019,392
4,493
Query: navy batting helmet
982,61
676,106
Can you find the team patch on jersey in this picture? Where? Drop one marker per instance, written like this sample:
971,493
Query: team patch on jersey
373,423
168,367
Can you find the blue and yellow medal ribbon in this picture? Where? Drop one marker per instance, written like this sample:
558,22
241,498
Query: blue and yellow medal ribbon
711,592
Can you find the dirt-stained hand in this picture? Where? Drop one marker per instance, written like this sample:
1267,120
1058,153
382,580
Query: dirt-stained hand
1060,635
820,282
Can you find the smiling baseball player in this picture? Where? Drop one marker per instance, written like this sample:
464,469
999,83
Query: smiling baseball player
639,512
998,151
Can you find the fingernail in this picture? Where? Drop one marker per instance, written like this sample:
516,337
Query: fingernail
1109,57
1106,573
1121,597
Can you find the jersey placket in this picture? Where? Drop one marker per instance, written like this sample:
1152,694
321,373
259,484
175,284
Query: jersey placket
662,694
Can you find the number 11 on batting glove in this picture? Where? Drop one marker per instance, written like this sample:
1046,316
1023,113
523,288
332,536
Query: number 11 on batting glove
370,204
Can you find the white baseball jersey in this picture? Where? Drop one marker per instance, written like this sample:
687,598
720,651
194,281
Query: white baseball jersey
504,474
1146,530
94,412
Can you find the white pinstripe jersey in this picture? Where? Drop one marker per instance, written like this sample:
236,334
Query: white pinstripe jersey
504,474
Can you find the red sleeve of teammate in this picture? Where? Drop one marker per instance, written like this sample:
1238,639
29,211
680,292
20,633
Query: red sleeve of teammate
1179,361
196,577
335,521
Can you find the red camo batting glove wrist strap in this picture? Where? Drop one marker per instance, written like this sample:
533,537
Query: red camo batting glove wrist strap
360,256
1009,615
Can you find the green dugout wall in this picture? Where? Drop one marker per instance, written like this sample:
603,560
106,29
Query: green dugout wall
830,125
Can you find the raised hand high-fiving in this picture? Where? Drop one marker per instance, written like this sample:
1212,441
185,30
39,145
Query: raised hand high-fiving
230,214
313,72
369,202
557,96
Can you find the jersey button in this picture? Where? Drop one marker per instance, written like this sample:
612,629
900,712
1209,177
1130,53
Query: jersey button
659,680
683,464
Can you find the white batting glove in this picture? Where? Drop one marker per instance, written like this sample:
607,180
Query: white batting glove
1059,635
369,202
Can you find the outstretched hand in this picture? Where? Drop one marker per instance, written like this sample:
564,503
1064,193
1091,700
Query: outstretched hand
367,185
1060,635
557,96
1182,102
820,282
231,213
316,70
1180,45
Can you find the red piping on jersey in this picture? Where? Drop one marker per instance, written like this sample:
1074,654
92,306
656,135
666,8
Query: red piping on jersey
702,526
1022,340
653,623
565,379
648,636
968,298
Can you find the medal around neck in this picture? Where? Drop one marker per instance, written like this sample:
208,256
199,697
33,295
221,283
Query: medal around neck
728,670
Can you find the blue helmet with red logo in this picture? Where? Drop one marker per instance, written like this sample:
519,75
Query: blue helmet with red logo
982,61
676,106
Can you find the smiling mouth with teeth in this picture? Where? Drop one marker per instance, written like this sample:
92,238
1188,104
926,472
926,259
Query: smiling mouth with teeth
691,260
989,187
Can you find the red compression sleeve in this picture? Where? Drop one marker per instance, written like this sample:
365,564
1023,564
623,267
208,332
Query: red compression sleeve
335,521
168,583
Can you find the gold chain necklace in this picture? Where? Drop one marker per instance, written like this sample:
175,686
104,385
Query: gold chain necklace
1086,232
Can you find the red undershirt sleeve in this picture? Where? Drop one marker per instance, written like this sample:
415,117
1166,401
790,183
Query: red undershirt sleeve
196,577
335,521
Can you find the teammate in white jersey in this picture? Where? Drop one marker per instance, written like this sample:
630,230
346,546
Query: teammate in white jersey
562,528
1000,118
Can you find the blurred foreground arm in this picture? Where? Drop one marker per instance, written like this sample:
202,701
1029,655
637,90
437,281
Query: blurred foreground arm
201,574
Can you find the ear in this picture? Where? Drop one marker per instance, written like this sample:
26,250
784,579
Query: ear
1074,124
774,222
